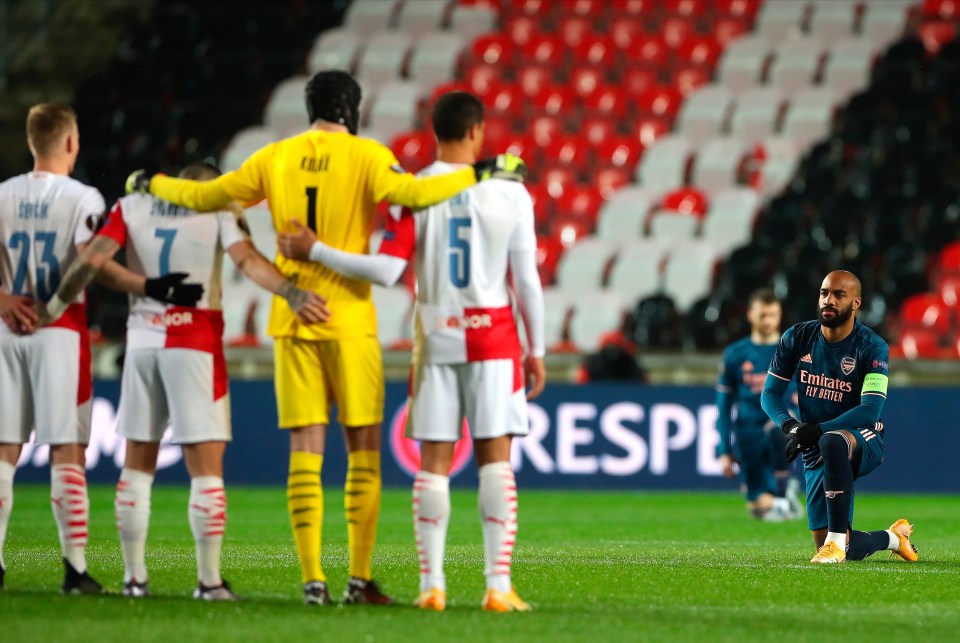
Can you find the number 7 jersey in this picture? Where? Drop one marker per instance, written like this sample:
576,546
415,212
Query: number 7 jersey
464,311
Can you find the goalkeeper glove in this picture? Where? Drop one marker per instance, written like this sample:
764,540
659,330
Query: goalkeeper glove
138,181
502,166
170,289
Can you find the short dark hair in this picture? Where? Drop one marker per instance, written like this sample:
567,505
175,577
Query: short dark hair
202,171
454,114
47,123
763,296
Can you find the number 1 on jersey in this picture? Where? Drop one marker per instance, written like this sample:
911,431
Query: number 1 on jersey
167,235
312,208
459,252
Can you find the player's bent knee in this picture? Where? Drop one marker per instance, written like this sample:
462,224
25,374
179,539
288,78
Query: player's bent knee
832,443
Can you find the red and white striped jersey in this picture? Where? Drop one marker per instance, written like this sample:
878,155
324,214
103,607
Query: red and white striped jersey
464,311
161,238
43,217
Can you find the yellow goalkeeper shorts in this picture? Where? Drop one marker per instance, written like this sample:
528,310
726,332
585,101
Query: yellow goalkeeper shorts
311,375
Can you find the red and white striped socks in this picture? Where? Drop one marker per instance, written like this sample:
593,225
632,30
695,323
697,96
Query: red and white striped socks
208,519
7,472
71,511
132,505
498,513
431,515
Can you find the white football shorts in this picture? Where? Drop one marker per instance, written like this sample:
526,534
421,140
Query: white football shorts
44,384
488,394
175,386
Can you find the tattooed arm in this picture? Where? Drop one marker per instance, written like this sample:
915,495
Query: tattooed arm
81,272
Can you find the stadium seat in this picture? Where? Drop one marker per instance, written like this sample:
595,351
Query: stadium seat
757,114
422,17
598,50
534,80
668,227
483,80
543,205
648,51
883,22
779,20
717,163
638,271
610,179
546,129
572,29
738,8
496,132
524,146
285,113
664,165
637,80
688,274
848,66
556,304
690,78
520,29
620,151
395,107
941,9
663,102
594,314
833,21
796,65
394,307
692,9
586,81
557,179
649,129
493,49
334,49
809,116
596,130
623,216
367,17
568,230
949,261
947,286
553,100
624,30
609,102
704,113
549,251
544,49
471,22
634,8
781,156
383,58
700,50
582,267
729,221
676,31
744,63
246,142
935,35
727,30
434,59
685,200
504,101
920,343
926,310
414,150
570,150
582,201
262,233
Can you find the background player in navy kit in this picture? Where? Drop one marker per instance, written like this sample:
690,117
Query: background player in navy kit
842,370
758,446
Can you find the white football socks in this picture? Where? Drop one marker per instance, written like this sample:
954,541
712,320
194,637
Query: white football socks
132,505
839,539
71,511
208,519
893,546
7,472
431,515
498,513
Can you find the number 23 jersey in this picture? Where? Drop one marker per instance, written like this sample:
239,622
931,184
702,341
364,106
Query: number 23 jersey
462,248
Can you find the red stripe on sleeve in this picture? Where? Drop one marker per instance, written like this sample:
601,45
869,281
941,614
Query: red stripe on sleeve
399,239
115,228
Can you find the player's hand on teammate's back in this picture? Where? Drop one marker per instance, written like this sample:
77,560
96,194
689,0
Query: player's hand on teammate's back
535,375
502,166
18,313
296,245
138,181
171,289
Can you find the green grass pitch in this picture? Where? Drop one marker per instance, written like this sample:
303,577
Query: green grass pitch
595,566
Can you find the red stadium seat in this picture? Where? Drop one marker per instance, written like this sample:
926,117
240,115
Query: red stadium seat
638,80
493,49
557,180
528,7
676,31
610,179
700,50
622,151
648,51
567,230
597,130
634,8
534,79
414,150
942,9
649,129
624,30
609,102
549,251
600,51
686,8
925,310
685,200
688,78
948,287
521,29
543,49
524,146
553,101
546,129
589,8
738,8
935,35
543,205
586,81
573,29
445,88
726,30
663,102
920,343
950,258
504,100
581,201
571,151
496,131
482,79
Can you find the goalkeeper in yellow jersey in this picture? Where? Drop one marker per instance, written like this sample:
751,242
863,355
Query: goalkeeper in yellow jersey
329,180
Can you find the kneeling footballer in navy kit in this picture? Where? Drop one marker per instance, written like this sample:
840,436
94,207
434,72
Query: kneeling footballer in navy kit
841,368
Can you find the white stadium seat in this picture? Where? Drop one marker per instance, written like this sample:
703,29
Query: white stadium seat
623,216
669,227
689,272
244,143
394,306
383,58
757,113
781,19
884,21
848,66
729,221
395,107
809,116
422,16
286,111
717,162
705,112
744,63
783,156
664,166
638,271
796,65
582,266
470,22
556,305
833,20
594,314
434,60
367,17
335,49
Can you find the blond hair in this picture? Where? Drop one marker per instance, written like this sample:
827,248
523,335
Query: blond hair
47,124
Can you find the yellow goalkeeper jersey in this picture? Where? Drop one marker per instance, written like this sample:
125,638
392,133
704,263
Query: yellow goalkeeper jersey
330,182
